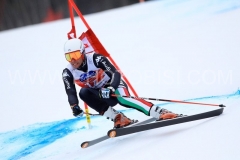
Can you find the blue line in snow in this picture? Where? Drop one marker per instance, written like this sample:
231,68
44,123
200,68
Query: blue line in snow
26,140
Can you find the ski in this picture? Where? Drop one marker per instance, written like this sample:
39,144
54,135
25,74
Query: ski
133,129
103,138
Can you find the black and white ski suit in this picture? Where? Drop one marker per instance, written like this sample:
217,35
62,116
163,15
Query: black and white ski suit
94,73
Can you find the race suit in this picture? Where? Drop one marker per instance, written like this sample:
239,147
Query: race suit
94,73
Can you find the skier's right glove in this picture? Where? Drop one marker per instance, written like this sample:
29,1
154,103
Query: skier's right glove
77,111
106,92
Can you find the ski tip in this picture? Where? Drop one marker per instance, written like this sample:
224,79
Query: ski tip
112,133
84,144
221,105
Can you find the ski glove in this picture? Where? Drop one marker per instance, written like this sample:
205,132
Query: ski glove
106,92
77,111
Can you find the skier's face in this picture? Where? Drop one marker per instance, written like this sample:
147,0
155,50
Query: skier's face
76,63
74,58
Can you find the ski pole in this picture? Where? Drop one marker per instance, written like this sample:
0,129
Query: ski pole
91,114
167,100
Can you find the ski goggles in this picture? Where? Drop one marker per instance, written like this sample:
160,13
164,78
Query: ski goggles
73,55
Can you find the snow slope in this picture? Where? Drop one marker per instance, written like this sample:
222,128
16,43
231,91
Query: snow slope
172,49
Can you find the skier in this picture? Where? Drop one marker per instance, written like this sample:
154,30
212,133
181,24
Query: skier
98,80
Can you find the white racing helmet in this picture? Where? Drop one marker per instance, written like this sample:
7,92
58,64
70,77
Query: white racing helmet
74,45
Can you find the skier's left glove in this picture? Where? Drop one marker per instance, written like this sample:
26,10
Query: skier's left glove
106,92
77,111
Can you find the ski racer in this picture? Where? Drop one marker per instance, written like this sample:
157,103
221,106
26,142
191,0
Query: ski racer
98,80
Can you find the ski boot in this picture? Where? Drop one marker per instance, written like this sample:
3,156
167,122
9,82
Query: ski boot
119,119
162,114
